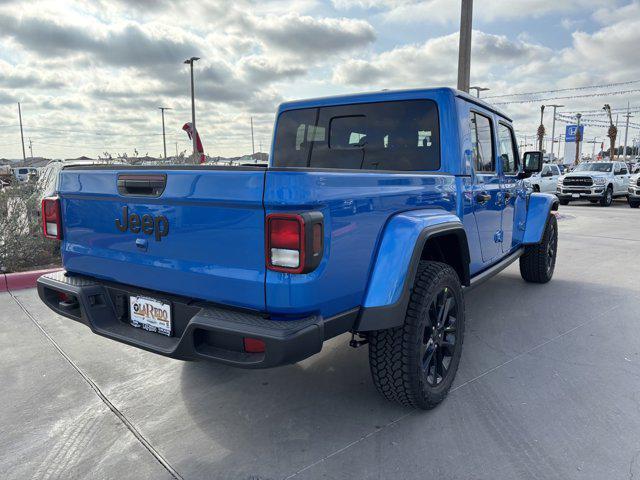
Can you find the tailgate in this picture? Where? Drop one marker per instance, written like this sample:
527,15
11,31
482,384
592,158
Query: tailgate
195,232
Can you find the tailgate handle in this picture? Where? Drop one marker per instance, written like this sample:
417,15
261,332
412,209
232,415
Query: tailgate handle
141,185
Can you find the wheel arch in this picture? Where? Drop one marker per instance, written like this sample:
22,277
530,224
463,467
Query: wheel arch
539,207
434,236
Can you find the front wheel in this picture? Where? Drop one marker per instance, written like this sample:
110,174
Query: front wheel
563,201
538,261
415,364
634,203
607,198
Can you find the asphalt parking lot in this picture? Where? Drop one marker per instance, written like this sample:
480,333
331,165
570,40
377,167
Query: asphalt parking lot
549,387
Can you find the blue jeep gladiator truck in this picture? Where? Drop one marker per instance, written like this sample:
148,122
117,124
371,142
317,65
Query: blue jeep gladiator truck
374,215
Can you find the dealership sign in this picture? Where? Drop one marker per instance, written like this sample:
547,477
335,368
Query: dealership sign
570,133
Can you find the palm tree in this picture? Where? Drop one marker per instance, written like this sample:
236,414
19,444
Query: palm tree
612,133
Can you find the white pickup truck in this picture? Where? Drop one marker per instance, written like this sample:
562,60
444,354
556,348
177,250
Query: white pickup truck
594,181
634,191
546,181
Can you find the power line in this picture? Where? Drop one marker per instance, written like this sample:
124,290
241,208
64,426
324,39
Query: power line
606,85
538,100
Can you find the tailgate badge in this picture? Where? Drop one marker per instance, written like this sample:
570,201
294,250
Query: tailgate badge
147,224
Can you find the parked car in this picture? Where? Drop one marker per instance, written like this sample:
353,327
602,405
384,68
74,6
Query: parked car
594,181
545,181
375,213
25,174
634,191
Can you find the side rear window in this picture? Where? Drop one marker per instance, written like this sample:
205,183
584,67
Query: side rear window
507,149
482,143
402,135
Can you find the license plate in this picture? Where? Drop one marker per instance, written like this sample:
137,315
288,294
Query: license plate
150,314
575,195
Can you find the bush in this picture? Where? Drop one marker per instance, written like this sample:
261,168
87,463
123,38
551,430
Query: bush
22,246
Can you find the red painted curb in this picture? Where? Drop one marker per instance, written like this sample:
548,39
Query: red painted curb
3,283
22,280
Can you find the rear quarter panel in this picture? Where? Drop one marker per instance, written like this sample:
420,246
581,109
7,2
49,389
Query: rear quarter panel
356,207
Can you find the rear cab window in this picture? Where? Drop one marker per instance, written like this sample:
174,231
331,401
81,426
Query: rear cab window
395,135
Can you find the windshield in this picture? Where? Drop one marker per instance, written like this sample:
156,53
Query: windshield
594,167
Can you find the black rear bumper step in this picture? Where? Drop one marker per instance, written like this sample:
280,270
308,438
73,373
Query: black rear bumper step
200,330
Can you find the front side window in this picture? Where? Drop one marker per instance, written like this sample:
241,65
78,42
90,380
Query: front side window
482,143
507,150
399,135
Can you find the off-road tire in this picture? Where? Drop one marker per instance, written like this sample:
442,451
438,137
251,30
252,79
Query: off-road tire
563,202
538,261
395,354
607,197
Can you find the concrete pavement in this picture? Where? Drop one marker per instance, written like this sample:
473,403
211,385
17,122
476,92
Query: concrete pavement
549,387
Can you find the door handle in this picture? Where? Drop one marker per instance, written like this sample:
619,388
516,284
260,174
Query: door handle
483,197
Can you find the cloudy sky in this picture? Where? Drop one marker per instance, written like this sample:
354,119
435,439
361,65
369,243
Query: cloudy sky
90,74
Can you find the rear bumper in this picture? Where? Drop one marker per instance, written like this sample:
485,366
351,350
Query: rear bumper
200,330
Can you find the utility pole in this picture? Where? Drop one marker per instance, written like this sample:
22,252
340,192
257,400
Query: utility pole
164,139
253,145
194,134
464,48
31,147
176,149
553,128
24,154
626,131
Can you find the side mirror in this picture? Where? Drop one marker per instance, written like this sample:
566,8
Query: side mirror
531,163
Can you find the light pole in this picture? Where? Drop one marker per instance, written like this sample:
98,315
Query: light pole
190,61
464,48
24,154
478,90
164,139
553,128
626,131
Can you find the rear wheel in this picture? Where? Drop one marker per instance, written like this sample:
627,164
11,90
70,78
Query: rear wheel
538,262
607,198
536,188
415,364
594,201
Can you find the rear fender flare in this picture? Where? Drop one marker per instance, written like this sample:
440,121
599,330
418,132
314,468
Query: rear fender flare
538,210
396,264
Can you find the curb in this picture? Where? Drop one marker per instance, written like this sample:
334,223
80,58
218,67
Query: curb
21,280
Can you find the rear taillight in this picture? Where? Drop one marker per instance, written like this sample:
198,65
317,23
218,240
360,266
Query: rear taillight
51,221
294,241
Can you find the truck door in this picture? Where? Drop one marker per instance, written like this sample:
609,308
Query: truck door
509,165
487,206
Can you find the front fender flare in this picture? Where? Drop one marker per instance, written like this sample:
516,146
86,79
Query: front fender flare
538,209
396,264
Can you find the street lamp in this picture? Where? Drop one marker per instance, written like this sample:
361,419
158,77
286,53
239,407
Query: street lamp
478,90
189,61
553,129
164,140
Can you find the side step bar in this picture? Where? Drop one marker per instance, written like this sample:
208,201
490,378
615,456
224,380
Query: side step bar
493,270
